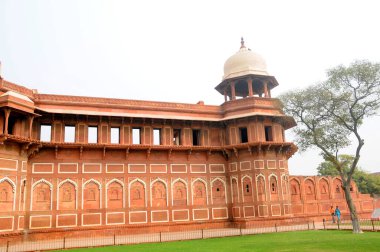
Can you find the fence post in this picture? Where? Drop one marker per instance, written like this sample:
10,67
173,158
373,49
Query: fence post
7,246
160,237
338,224
202,233
275,226
313,225
373,225
324,224
64,242
308,226
114,238
240,231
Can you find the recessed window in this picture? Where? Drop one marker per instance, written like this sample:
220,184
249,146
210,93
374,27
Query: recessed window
247,188
69,134
115,135
176,136
45,133
243,135
268,133
156,136
92,134
136,136
196,137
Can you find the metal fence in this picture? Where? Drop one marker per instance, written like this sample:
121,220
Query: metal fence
121,237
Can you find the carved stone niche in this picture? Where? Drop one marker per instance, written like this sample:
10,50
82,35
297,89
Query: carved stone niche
6,196
137,194
159,194
324,189
295,190
91,196
67,196
261,189
115,195
41,197
218,192
179,194
199,193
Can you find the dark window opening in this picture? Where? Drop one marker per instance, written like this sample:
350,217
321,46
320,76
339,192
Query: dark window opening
176,136
247,188
268,133
217,189
274,187
196,137
243,135
11,125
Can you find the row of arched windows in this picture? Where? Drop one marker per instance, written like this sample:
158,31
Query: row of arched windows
326,189
138,194
264,191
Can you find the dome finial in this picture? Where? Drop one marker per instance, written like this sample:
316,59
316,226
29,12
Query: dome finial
242,43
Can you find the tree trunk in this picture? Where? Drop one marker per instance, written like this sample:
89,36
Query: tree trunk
351,206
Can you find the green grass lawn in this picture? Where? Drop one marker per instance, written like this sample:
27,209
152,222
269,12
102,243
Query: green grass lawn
290,241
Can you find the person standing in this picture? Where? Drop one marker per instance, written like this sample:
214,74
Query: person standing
332,213
337,214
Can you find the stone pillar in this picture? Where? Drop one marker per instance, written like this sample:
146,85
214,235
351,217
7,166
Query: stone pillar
30,120
250,90
266,89
7,112
233,95
225,95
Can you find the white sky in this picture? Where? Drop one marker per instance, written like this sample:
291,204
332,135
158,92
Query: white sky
175,50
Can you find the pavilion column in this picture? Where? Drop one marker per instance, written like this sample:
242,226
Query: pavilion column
7,112
250,90
30,120
225,95
266,89
233,95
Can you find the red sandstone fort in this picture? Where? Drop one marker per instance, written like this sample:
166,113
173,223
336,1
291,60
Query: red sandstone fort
70,162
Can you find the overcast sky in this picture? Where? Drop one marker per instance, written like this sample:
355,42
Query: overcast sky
175,50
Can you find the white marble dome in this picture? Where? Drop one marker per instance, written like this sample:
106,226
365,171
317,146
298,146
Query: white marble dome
244,62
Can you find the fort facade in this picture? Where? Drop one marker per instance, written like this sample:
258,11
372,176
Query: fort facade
70,162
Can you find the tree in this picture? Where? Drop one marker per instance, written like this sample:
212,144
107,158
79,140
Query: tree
331,112
366,183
